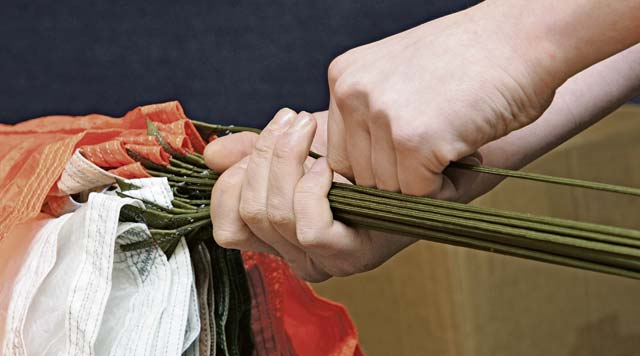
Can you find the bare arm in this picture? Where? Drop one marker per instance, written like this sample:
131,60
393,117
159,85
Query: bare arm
579,103
566,37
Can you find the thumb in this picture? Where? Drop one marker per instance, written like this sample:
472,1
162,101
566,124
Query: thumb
458,182
226,151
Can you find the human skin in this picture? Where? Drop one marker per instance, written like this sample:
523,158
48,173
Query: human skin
388,126
499,62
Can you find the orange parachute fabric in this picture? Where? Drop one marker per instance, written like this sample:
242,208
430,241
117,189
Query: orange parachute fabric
107,154
287,319
140,139
131,171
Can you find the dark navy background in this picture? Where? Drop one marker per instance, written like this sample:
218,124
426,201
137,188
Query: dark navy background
226,61
230,61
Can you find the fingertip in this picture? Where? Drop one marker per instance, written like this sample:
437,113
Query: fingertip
304,125
284,112
210,152
281,120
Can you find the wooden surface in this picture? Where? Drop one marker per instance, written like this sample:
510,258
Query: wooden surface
433,299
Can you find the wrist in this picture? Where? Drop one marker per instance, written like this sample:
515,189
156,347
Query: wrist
523,32
562,38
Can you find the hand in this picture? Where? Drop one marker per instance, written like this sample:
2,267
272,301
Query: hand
404,107
267,202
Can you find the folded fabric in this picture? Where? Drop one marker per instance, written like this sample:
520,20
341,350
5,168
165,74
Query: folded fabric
139,294
64,316
33,175
39,260
13,259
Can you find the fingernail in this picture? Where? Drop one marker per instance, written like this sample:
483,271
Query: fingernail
304,119
283,118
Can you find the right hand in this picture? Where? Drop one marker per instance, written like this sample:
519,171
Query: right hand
404,107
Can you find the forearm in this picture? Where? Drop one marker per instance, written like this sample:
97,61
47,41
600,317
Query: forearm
580,102
565,37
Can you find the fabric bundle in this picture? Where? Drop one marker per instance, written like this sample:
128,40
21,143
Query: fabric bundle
77,192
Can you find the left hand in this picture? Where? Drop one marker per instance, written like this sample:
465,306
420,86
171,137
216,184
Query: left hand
266,201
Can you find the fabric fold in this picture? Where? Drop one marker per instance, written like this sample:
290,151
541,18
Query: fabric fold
38,165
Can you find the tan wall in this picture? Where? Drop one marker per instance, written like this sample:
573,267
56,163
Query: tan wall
438,300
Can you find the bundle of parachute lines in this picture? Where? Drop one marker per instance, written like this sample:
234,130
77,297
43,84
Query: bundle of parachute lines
584,245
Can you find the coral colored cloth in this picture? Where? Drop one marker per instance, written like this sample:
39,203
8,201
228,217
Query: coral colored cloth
183,128
107,154
287,319
180,143
143,139
131,171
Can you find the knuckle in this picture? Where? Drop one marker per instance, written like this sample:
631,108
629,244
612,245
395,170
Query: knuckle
342,63
279,217
227,238
305,189
351,94
382,104
385,184
443,155
283,150
336,68
407,139
309,239
424,142
263,147
252,213
221,196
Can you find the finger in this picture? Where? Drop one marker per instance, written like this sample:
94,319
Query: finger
289,156
312,272
319,144
337,142
229,230
254,195
486,182
359,150
226,151
337,248
383,157
316,229
414,176
458,181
